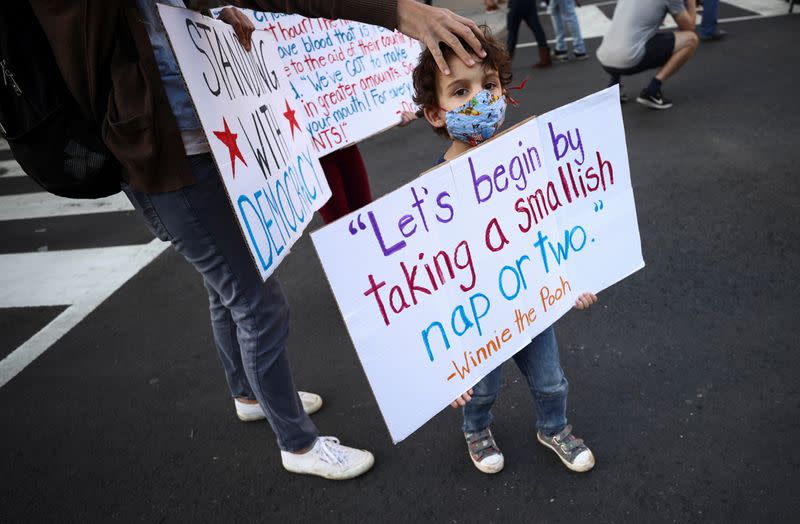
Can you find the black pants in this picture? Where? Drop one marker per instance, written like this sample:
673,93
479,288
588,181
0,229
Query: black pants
519,10
657,52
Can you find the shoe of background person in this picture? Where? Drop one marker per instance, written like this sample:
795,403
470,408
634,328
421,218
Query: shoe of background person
718,34
581,56
329,459
656,101
484,452
570,449
251,412
623,98
544,58
561,56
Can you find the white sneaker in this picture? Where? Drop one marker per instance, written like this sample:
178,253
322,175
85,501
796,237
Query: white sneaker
330,460
311,402
250,412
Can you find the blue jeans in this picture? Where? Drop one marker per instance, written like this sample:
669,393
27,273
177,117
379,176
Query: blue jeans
541,367
561,12
249,318
709,23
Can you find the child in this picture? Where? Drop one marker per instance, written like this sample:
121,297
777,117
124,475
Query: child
468,106
562,11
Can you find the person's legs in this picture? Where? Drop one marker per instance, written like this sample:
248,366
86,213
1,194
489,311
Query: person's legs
336,206
667,52
478,411
531,17
513,19
355,178
685,45
571,19
614,78
483,449
558,26
224,330
708,27
540,365
200,225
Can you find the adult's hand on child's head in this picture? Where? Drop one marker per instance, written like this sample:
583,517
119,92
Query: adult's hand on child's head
432,25
585,300
242,25
462,400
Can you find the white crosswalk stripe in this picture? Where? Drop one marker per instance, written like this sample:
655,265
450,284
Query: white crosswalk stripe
762,7
79,279
8,168
39,205
83,279
594,20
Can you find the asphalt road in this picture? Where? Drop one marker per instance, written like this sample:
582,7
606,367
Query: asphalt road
683,378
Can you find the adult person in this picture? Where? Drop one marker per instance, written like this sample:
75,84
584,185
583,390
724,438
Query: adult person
708,26
633,44
149,124
519,10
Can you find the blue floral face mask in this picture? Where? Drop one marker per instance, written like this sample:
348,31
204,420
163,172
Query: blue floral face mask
478,119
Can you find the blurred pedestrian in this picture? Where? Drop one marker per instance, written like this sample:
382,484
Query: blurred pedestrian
519,10
347,177
562,12
633,44
708,27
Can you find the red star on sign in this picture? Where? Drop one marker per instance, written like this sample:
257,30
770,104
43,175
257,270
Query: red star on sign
289,114
229,139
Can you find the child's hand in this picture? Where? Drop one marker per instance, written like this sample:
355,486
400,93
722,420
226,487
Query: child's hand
585,300
462,400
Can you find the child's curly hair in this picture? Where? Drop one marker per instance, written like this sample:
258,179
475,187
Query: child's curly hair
426,73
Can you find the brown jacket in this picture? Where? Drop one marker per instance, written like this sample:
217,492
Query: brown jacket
103,42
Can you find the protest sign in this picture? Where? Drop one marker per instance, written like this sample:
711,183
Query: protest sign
351,80
461,268
266,161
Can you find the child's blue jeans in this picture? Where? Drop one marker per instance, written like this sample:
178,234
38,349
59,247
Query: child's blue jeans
561,12
541,367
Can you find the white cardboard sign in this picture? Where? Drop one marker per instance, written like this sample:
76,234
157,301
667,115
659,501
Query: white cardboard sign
348,80
445,278
264,155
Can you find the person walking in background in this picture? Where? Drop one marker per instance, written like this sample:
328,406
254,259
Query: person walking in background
563,12
519,10
708,27
633,44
